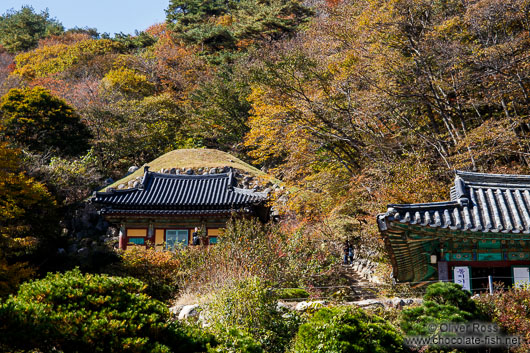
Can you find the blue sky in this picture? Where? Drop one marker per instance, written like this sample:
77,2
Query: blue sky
111,16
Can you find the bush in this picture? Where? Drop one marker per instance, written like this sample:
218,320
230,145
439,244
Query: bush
511,312
450,294
443,302
235,341
158,269
249,306
248,248
345,330
75,312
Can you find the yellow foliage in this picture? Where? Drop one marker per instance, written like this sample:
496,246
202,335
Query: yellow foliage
127,81
49,60
22,199
225,20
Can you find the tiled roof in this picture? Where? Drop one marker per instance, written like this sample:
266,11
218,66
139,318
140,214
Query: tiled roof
167,192
497,203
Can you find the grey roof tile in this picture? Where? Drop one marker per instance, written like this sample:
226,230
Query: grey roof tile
180,192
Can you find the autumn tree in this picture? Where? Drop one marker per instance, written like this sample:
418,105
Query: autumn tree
197,22
27,221
136,131
35,119
21,30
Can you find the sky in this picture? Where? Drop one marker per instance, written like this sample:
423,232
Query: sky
111,16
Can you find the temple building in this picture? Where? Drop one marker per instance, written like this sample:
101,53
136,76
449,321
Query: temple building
483,231
164,209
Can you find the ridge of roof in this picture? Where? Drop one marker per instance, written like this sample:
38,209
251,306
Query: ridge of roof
191,177
424,206
148,174
493,179
250,192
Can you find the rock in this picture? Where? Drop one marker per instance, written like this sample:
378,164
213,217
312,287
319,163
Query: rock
303,306
204,319
130,183
136,184
189,171
83,251
173,171
176,309
397,303
72,248
199,170
177,171
368,302
267,190
231,160
132,169
121,186
282,306
189,311
109,181
226,169
212,171
400,303
416,301
101,225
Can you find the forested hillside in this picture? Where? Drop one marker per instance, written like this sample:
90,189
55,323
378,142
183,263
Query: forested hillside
352,104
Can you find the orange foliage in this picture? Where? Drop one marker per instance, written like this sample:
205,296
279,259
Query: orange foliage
66,38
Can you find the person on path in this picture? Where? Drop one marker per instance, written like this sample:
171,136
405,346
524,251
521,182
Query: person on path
346,250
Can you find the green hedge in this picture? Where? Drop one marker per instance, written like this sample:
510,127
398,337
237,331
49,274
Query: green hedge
75,312
347,330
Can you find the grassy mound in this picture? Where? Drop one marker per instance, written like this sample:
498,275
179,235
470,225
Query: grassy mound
193,158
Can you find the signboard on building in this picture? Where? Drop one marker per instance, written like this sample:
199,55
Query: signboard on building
462,276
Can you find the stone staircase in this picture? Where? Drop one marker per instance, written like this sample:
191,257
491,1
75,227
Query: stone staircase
359,288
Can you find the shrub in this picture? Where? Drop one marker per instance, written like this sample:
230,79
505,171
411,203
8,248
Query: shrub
345,330
235,341
251,307
442,303
158,269
450,294
511,312
248,248
75,312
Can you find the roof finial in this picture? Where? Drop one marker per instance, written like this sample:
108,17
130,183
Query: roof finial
146,169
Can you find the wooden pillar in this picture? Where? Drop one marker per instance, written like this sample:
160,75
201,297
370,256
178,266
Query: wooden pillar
151,233
122,244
